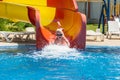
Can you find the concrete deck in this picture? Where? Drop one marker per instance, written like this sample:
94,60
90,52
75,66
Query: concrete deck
115,41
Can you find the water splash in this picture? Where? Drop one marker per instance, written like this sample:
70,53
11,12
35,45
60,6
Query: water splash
58,52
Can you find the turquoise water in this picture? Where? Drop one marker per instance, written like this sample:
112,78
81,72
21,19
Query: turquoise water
59,63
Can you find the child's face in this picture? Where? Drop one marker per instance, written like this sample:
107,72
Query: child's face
59,34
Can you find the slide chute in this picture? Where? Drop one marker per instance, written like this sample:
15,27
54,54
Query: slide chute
44,14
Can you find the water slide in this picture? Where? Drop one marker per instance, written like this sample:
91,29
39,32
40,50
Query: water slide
44,14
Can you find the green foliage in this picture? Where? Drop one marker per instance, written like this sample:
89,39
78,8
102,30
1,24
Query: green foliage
9,25
20,25
92,27
95,26
3,23
28,25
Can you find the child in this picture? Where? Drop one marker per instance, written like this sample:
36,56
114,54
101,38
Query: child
60,38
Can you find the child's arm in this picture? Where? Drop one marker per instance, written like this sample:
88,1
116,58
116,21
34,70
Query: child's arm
66,40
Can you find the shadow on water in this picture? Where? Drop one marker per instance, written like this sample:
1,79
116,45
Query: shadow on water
103,49
14,49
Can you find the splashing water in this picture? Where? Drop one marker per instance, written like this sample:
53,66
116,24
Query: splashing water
56,51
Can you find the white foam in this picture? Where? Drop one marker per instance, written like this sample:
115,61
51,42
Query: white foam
58,52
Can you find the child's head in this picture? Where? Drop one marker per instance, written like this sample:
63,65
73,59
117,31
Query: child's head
59,32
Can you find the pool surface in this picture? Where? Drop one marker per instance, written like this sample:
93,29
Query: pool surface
59,63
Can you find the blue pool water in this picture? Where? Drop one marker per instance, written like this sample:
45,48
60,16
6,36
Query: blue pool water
59,63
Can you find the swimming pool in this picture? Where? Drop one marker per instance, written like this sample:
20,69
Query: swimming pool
59,63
